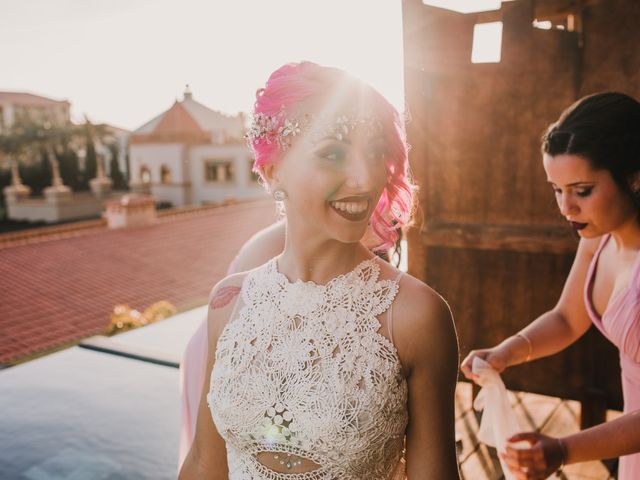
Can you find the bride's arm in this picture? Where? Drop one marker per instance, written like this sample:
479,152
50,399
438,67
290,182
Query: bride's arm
427,344
207,458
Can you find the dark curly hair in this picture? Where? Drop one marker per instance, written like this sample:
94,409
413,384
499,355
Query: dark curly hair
604,129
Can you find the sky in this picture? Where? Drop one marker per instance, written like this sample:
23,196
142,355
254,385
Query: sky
125,61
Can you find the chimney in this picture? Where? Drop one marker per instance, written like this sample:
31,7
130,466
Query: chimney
131,210
188,95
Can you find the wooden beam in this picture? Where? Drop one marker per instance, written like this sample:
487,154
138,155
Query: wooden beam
518,238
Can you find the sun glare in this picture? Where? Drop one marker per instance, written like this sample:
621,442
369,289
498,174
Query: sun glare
465,6
124,62
487,43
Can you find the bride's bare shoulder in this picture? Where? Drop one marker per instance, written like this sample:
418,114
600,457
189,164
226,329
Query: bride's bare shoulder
222,300
419,305
423,324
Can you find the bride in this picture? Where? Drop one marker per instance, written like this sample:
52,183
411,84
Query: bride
326,362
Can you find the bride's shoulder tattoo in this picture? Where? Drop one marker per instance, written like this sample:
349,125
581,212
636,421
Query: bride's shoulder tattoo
223,296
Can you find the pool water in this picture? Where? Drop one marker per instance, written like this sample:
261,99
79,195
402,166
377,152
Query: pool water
88,415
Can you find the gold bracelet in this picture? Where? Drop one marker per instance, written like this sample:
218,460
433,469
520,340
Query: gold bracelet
526,339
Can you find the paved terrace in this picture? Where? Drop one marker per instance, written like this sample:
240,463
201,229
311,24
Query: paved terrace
60,284
550,415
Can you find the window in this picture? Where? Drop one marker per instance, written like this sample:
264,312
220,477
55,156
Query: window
145,174
560,21
165,174
218,171
542,25
487,43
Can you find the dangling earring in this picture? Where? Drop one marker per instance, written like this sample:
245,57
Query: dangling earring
279,195
634,184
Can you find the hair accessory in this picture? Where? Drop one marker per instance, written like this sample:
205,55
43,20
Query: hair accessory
526,339
281,130
279,195
273,129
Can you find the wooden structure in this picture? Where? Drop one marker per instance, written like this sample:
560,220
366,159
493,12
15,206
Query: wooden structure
489,237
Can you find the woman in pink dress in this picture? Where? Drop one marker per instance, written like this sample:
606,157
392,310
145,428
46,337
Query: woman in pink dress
591,156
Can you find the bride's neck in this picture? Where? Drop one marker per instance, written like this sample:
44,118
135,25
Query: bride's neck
309,258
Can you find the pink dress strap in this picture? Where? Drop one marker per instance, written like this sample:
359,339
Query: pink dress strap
588,287
620,323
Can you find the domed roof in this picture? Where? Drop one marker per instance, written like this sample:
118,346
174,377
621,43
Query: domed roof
190,121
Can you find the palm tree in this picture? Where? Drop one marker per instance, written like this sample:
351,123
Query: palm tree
28,141
96,135
13,147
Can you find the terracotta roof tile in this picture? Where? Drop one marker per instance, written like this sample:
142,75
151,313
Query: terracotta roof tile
177,120
57,291
175,125
24,98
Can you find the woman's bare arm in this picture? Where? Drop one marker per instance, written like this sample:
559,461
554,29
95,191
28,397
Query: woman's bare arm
554,331
207,458
427,345
608,440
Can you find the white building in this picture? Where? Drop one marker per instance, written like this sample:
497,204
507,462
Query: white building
27,107
191,154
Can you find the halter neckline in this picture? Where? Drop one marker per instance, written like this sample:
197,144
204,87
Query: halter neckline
310,283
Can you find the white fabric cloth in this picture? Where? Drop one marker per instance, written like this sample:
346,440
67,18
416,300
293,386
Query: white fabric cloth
499,421
302,369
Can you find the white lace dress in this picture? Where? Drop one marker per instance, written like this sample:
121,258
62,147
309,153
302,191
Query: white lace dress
302,372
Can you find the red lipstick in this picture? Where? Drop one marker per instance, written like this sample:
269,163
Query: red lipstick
578,225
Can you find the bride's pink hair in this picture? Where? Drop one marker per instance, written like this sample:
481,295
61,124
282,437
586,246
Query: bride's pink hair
296,82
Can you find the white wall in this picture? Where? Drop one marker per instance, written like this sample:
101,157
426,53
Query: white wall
81,205
240,188
177,195
153,155
188,180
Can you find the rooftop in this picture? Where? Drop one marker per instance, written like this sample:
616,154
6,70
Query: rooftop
24,98
60,284
191,118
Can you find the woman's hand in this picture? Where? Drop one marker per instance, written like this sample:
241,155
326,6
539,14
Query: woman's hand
496,357
543,456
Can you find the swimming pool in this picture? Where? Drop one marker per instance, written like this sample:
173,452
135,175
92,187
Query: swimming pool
81,414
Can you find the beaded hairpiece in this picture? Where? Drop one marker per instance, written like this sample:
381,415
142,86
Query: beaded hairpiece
281,130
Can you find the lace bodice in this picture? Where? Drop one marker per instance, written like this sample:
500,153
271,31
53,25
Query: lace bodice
301,369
